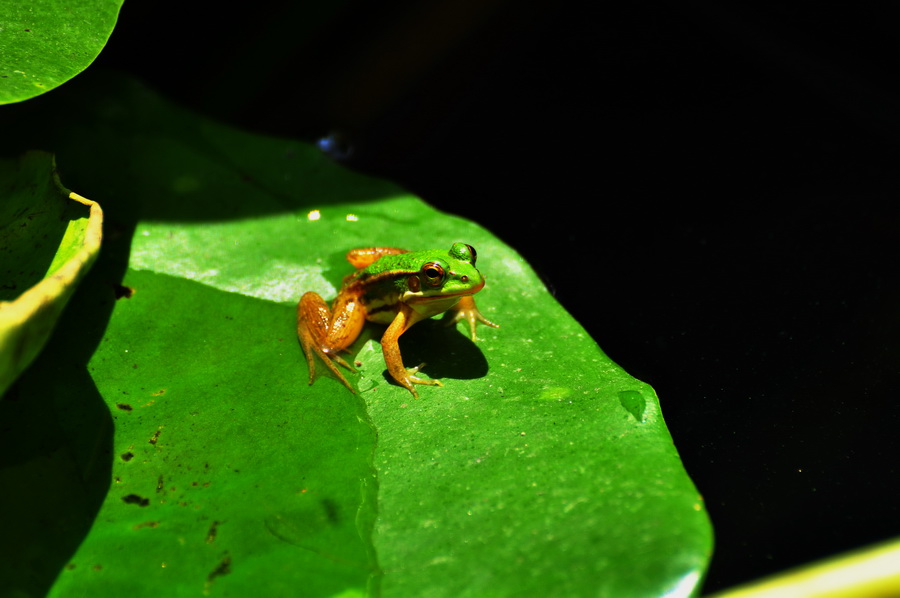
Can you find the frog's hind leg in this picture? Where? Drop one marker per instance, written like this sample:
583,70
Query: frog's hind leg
325,333
366,256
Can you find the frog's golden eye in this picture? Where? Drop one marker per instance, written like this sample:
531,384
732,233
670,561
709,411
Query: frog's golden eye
432,274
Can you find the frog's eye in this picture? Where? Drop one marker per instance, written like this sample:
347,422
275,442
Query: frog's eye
463,252
432,274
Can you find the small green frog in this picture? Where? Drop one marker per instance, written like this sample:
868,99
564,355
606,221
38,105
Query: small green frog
395,287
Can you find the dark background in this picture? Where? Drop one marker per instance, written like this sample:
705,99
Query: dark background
711,191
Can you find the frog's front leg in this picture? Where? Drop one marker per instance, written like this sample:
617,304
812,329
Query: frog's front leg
406,317
465,309
325,332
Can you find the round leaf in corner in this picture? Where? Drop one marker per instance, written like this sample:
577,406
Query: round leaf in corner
47,42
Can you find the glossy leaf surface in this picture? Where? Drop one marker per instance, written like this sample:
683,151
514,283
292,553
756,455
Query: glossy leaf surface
539,468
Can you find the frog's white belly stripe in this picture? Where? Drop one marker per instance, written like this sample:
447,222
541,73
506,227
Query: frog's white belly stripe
383,310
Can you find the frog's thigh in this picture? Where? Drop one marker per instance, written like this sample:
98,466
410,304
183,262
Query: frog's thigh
313,318
347,319
366,256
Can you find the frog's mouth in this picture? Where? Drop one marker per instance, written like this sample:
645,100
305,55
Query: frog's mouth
420,297
432,305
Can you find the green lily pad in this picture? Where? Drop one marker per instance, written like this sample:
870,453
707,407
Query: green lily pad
44,43
540,467
49,237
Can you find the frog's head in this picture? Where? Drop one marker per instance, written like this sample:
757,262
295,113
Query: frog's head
443,277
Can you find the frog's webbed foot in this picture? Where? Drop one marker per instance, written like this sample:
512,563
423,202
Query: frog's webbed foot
330,358
410,375
466,310
315,331
410,379
333,357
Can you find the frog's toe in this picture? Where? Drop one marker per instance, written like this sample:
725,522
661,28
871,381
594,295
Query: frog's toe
413,379
334,357
426,381
472,317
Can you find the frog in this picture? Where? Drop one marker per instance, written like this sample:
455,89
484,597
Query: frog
396,287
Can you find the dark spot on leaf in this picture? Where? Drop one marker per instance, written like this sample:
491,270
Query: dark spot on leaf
224,568
159,483
127,456
122,292
123,406
151,524
211,534
97,567
134,499
155,437
70,566
331,510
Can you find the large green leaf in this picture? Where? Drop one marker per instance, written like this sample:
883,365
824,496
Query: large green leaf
44,43
539,468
